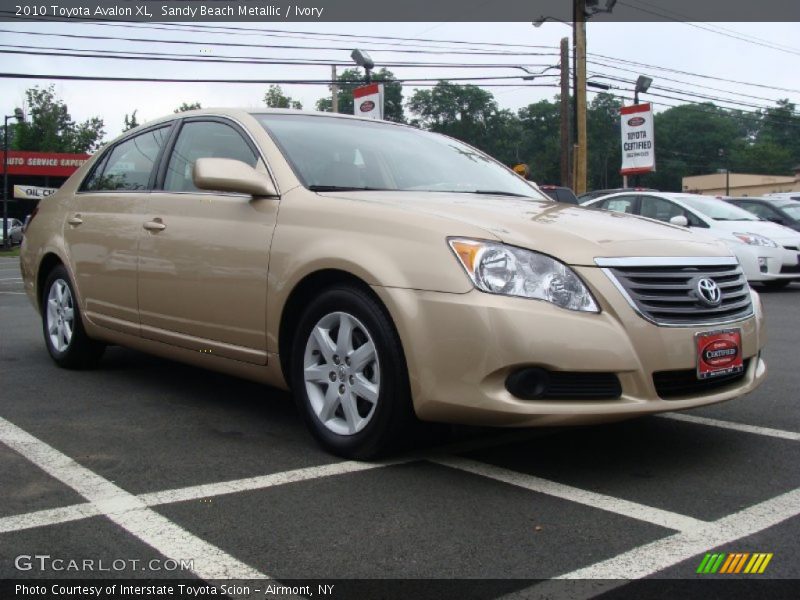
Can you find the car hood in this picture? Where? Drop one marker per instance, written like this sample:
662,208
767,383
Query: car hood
777,233
574,234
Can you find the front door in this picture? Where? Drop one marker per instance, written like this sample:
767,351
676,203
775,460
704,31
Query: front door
104,226
204,255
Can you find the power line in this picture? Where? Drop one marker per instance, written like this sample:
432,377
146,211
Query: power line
413,81
120,54
664,13
262,46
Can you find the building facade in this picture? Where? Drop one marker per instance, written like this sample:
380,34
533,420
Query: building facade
741,184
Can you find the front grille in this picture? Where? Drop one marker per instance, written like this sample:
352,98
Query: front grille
672,384
668,294
795,248
791,269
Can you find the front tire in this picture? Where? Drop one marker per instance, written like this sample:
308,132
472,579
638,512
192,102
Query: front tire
349,374
64,335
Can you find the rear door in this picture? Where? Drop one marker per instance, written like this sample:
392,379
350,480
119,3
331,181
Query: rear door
104,225
204,255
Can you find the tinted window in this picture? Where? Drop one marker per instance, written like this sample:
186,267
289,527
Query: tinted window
203,139
759,210
129,163
659,209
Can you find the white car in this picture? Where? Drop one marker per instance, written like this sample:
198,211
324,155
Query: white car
769,253
783,196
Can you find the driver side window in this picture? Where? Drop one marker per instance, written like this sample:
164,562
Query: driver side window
203,139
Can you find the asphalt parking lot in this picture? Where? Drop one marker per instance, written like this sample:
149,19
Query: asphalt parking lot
144,463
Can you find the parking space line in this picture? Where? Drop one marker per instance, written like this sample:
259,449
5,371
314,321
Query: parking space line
619,506
12,279
777,433
258,483
51,516
128,511
13,293
75,512
661,554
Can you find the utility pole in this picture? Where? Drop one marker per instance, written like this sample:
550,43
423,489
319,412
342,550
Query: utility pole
334,91
566,178
579,35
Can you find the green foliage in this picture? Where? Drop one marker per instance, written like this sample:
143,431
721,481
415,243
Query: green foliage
274,98
50,127
130,122
185,106
350,79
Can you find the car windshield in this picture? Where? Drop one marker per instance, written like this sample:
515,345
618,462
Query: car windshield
793,210
330,154
719,210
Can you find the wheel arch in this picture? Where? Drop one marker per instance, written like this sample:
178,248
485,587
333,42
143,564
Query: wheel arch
303,293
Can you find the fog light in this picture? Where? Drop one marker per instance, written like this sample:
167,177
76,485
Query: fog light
762,264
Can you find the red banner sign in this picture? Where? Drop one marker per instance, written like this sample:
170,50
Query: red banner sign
43,163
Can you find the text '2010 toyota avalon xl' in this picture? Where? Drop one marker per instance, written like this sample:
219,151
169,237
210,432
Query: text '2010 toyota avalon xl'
383,274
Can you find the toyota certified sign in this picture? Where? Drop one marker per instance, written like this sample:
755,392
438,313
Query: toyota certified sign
368,101
638,143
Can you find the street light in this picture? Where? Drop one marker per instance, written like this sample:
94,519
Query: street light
642,85
20,117
362,59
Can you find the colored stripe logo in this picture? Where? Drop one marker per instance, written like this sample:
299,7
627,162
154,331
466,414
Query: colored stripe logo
734,562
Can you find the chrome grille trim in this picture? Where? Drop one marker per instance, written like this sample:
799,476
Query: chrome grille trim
662,292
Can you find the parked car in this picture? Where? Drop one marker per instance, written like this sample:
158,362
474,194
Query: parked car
14,227
767,252
783,195
587,196
776,210
384,274
559,193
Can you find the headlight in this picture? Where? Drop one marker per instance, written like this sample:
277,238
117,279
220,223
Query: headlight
509,271
756,240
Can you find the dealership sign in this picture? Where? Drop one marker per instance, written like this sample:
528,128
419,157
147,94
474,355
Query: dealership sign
638,143
43,163
368,101
32,192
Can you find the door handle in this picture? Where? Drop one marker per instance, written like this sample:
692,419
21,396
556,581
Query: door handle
75,220
155,225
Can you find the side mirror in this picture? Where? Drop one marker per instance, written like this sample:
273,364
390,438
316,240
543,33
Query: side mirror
680,221
227,175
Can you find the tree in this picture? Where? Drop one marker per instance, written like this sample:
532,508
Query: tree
274,98
184,107
353,78
51,128
130,122
603,140
541,141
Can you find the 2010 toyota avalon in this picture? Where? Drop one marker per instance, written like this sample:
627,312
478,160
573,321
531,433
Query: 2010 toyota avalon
384,274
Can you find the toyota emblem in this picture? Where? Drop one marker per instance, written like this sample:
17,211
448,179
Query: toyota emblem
709,293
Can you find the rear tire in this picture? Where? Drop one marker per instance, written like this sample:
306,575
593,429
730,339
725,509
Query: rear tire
349,374
62,324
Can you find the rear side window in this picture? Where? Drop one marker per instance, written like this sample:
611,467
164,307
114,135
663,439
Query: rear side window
623,204
203,139
129,164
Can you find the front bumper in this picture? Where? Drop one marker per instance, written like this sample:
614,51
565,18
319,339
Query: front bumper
460,349
760,263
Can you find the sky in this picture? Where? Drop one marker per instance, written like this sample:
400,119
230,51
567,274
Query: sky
714,50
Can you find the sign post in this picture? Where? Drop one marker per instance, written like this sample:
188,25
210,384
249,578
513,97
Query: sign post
368,101
638,141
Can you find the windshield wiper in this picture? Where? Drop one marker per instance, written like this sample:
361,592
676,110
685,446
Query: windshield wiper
493,193
345,188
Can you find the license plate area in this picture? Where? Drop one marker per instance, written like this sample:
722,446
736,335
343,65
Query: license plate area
719,353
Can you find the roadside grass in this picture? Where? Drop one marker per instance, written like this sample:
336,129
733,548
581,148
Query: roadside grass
9,253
